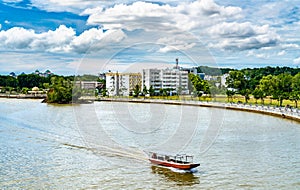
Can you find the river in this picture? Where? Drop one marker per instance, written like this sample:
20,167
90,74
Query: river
101,146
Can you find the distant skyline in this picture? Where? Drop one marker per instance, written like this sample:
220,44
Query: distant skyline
87,36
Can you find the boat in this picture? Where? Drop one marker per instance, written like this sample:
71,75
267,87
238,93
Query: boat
178,161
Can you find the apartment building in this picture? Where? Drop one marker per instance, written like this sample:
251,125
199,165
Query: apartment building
173,79
122,84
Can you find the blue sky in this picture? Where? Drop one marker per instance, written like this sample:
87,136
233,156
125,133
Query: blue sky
88,36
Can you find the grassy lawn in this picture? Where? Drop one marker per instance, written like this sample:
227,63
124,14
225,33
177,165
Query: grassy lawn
221,98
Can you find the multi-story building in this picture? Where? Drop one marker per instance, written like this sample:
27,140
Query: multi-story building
174,80
122,84
88,85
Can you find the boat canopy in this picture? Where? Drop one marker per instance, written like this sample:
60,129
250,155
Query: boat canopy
181,158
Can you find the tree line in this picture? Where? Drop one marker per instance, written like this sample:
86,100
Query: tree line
284,86
276,83
59,89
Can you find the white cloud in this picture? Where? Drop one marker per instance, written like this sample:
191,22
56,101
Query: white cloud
293,46
95,39
78,6
150,16
75,6
179,42
203,18
16,38
238,30
28,62
175,26
215,25
242,36
12,1
62,40
6,22
281,53
258,55
296,61
54,41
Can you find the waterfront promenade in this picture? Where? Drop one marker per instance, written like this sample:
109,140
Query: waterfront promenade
286,113
23,96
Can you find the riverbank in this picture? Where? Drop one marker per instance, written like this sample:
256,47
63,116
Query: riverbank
286,113
24,96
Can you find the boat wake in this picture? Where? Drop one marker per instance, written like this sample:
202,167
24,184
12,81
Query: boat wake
175,170
193,170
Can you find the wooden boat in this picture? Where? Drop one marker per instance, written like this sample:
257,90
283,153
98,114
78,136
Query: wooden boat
179,161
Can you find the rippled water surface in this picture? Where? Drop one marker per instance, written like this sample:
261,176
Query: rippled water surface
101,146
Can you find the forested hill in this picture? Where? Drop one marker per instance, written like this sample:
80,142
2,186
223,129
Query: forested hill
249,71
213,71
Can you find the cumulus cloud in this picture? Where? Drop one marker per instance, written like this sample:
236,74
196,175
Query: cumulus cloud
16,38
96,39
175,43
150,16
63,39
238,30
242,36
215,25
77,6
203,18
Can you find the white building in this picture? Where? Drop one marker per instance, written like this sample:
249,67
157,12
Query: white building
223,79
173,79
122,84
88,85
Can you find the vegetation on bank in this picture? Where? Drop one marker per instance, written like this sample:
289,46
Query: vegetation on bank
279,84
272,85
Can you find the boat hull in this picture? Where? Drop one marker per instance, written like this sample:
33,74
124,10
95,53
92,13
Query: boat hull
181,166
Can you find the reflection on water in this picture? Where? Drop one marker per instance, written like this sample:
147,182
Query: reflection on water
180,178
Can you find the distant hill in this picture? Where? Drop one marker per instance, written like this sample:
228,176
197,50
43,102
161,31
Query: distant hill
249,71
213,71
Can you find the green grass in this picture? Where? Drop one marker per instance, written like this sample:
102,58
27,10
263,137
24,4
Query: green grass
219,98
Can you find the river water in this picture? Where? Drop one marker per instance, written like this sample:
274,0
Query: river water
102,145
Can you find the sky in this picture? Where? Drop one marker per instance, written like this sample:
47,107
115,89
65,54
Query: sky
92,36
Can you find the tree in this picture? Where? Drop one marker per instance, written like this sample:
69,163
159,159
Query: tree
258,94
200,86
145,90
229,93
151,91
295,95
267,85
236,80
213,91
62,91
283,87
245,93
136,91
32,80
25,90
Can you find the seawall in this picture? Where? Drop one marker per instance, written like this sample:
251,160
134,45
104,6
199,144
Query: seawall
24,96
292,114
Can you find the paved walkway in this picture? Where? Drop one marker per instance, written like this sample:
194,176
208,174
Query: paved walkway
288,113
